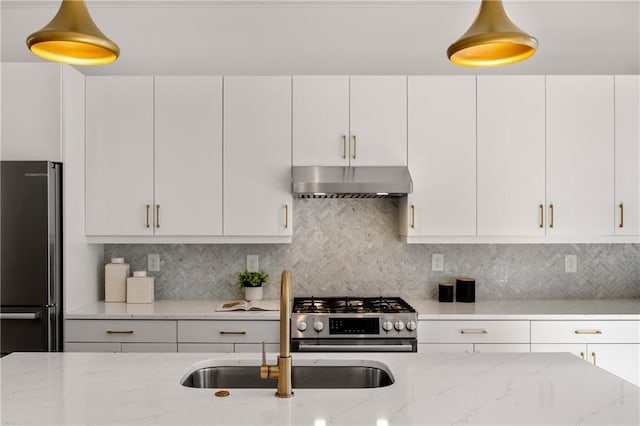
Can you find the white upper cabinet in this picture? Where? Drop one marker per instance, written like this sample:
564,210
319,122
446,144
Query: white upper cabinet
442,157
31,104
627,155
378,112
188,156
511,155
321,120
257,156
580,155
119,156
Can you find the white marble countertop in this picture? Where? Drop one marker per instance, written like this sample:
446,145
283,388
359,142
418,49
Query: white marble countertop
427,310
429,389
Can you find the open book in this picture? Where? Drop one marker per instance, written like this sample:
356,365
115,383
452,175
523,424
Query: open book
243,305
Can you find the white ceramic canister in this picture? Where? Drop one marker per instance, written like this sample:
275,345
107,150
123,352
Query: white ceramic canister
140,288
115,280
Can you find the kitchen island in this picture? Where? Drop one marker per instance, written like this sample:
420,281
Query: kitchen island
429,389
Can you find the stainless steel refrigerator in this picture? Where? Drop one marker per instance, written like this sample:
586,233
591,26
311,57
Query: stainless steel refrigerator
30,256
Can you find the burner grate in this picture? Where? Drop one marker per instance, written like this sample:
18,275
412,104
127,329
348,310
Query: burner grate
356,305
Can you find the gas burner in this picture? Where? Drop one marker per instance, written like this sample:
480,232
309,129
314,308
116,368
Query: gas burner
359,305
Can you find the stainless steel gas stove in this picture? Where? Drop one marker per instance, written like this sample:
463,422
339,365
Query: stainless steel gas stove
353,324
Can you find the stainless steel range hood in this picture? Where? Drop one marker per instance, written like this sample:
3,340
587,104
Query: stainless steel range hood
350,182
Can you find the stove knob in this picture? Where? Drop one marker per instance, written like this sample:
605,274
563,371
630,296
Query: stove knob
387,326
399,325
318,326
302,326
411,325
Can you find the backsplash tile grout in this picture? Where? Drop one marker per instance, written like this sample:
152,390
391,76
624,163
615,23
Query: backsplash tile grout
352,247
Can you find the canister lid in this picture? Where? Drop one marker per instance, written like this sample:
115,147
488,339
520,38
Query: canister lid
117,260
139,273
465,279
446,284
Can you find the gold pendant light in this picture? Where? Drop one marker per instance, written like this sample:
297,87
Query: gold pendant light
73,38
492,40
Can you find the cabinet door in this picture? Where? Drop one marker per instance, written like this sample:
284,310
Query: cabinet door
627,162
119,155
378,110
511,163
257,156
320,120
188,156
621,360
580,155
577,349
442,156
30,128
501,347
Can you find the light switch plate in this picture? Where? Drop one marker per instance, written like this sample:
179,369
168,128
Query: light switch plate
153,262
253,264
437,262
571,263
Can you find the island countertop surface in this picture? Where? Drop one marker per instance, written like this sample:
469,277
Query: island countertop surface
429,389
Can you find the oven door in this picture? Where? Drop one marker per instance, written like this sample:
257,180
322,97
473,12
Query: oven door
354,345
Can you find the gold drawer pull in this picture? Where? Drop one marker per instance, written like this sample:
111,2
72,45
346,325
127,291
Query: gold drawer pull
157,215
344,146
354,147
147,216
551,210
286,216
593,357
588,332
474,331
582,355
621,216
119,331
413,216
541,216
242,332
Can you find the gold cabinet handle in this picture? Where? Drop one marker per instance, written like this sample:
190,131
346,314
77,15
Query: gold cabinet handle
582,355
148,207
593,357
242,332
541,216
286,216
474,331
354,147
551,220
344,146
413,216
157,215
621,216
119,331
587,332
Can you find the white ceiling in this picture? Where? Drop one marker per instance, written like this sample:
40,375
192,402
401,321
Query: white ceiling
335,37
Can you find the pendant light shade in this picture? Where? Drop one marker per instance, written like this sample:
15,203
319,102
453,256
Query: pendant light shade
492,40
73,38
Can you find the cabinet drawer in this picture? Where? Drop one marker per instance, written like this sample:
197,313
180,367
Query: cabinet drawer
149,347
439,348
228,331
473,332
585,331
205,347
120,331
93,347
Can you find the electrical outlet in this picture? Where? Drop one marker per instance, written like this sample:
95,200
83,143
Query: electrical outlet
253,264
153,262
437,262
571,263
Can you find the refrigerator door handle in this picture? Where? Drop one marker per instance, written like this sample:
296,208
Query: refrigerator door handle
19,316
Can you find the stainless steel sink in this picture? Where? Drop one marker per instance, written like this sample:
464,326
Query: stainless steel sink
371,375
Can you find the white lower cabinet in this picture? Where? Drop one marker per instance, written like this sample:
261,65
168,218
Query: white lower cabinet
120,336
501,347
611,345
227,336
445,347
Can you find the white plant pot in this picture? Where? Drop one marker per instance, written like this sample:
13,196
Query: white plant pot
253,293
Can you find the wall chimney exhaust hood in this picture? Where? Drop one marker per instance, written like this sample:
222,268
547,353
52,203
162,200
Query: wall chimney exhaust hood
350,182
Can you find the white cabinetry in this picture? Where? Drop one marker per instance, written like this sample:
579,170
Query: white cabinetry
611,345
474,335
342,120
119,155
228,336
257,156
31,105
120,336
188,156
511,155
627,155
580,149
442,157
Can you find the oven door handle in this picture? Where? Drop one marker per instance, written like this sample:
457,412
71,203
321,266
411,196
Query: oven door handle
355,348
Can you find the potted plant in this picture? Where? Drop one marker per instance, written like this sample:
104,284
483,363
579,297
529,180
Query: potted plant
252,284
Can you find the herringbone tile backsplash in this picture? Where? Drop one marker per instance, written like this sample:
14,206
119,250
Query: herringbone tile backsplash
351,247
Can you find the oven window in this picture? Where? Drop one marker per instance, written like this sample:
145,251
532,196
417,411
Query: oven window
354,326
